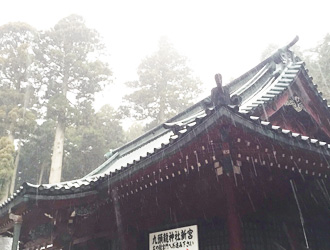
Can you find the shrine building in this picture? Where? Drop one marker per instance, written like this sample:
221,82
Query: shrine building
245,168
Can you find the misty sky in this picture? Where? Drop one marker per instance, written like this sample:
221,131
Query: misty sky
224,37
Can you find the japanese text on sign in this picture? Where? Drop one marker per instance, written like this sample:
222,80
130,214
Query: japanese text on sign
184,238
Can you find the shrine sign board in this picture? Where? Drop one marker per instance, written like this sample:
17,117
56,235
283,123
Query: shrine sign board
183,238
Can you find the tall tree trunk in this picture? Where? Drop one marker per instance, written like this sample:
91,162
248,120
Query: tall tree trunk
11,183
13,178
57,157
58,148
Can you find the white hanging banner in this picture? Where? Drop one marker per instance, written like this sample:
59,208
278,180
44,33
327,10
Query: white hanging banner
183,238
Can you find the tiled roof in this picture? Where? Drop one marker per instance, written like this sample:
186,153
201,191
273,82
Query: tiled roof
263,83
69,187
276,82
151,146
175,131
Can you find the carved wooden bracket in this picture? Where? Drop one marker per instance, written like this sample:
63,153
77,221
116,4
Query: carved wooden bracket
296,103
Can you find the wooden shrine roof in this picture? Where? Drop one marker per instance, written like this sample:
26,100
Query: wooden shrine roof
181,134
256,88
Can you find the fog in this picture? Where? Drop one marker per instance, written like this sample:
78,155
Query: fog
216,37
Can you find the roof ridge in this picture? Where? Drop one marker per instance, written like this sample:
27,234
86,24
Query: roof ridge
275,56
274,86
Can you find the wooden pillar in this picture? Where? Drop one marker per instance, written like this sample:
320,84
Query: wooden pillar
17,229
233,220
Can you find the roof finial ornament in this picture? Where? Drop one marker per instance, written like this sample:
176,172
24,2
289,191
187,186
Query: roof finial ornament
293,42
218,80
220,94
284,54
